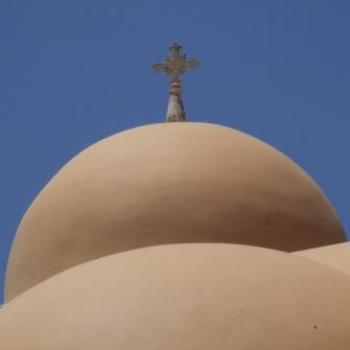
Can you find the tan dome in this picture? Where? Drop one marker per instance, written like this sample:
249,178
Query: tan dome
335,255
169,183
186,296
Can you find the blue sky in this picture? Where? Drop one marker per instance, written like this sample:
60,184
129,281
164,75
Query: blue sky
75,71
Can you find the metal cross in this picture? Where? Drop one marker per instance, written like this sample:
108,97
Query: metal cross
176,63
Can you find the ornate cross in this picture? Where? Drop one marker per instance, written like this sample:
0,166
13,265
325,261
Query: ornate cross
175,65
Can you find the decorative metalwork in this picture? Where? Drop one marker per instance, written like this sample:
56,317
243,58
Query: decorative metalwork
175,65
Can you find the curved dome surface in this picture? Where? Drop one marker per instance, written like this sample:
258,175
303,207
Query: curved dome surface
336,256
185,296
168,183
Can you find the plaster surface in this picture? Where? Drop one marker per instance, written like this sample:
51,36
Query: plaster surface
184,296
335,255
168,183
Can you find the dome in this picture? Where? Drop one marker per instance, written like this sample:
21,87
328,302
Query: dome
335,255
184,296
168,183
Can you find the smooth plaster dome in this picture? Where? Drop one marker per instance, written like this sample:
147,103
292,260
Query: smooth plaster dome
335,255
188,297
168,183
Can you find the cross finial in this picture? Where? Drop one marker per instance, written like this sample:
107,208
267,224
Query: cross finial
175,65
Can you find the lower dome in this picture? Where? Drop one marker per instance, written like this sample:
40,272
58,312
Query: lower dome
336,256
168,183
187,296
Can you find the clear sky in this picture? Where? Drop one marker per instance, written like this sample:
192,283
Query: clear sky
75,71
